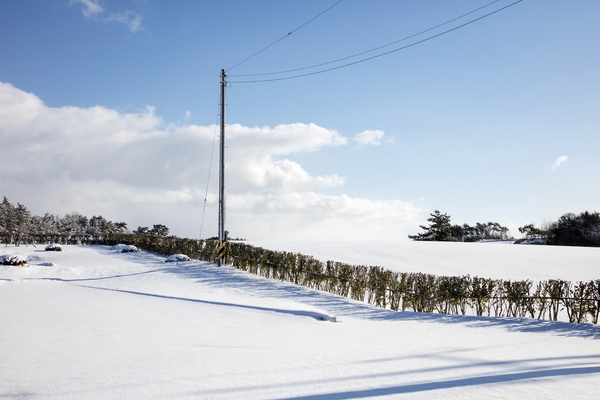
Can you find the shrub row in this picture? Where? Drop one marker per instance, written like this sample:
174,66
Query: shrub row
395,290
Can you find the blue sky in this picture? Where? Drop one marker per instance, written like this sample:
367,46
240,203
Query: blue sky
108,109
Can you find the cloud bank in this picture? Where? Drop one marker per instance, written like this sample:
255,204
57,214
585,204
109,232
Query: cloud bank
133,167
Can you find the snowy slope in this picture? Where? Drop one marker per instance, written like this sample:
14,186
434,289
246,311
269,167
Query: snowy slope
497,260
103,324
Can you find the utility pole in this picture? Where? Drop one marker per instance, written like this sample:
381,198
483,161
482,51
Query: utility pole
222,238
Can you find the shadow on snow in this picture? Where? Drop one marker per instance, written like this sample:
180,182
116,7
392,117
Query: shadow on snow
228,277
453,383
571,365
317,316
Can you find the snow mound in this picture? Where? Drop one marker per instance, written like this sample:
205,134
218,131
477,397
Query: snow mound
129,249
125,248
177,257
16,260
53,247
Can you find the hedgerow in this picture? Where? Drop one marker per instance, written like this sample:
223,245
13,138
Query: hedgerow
399,291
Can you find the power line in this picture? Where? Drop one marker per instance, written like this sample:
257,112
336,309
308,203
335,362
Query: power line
371,50
284,36
209,170
378,55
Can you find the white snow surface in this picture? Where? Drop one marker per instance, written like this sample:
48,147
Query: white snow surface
102,324
497,260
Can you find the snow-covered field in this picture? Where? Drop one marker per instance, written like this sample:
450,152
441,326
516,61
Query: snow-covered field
91,322
497,260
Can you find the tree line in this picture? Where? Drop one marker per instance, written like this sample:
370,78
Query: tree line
569,230
441,229
18,226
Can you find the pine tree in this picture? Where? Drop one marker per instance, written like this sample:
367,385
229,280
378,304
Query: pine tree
98,226
141,230
121,227
439,230
8,223
577,230
22,217
159,230
73,226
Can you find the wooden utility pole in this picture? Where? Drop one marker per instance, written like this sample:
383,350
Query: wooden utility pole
222,237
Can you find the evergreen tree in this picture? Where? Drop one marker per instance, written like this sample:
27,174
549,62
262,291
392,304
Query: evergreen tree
98,226
458,232
159,230
576,230
73,226
8,223
531,232
121,227
22,218
141,230
440,228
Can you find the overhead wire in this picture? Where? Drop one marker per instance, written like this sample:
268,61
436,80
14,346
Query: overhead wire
284,36
341,59
371,50
212,152
381,54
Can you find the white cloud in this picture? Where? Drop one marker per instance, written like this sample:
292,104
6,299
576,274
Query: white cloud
256,171
369,137
93,9
284,139
133,167
188,115
314,216
559,161
253,156
129,18
90,8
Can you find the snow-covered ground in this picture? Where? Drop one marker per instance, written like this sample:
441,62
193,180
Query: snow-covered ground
497,260
92,322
